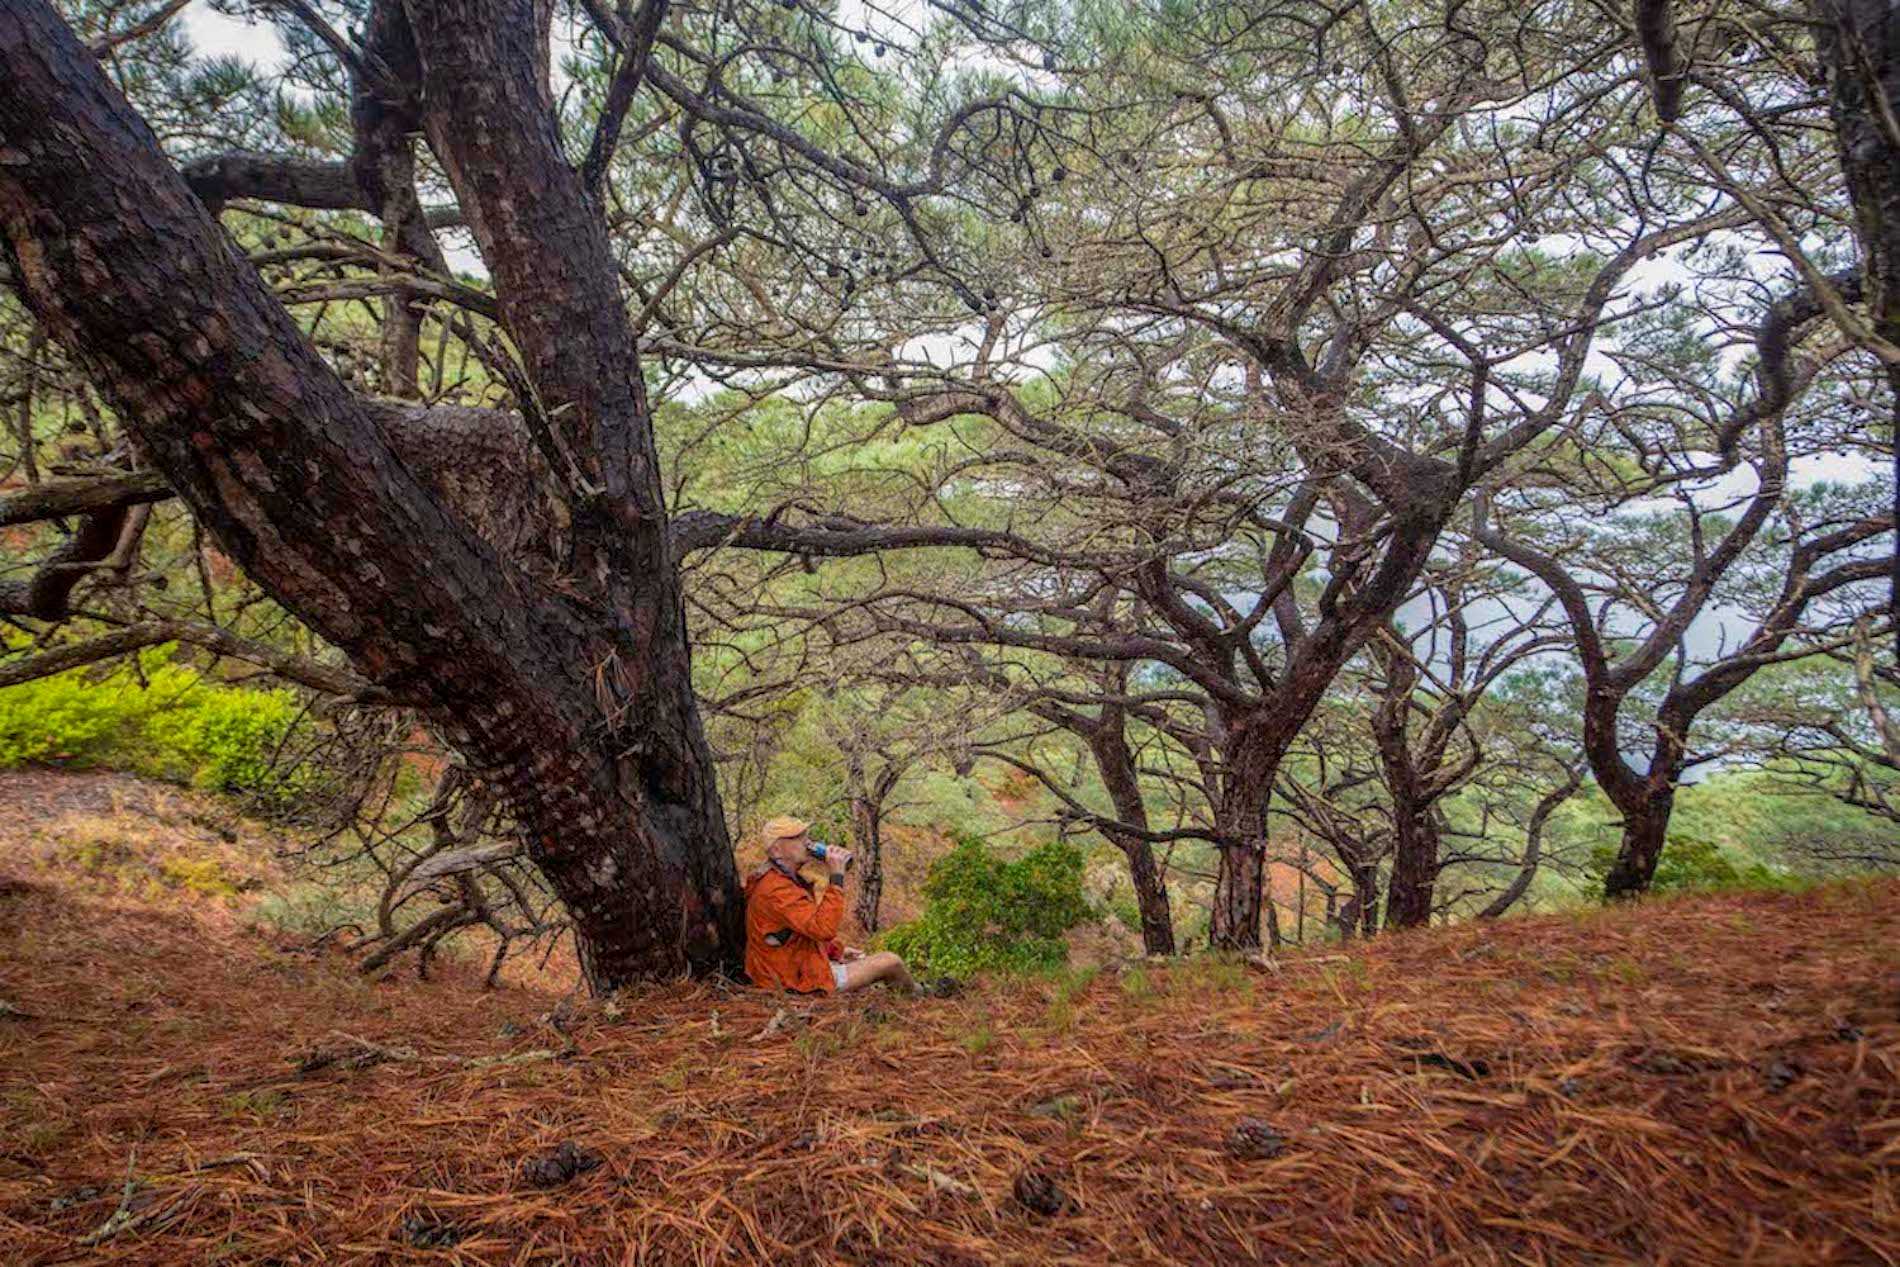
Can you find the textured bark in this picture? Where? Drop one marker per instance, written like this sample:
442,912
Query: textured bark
54,498
1662,54
1108,743
385,115
1645,832
1358,915
1239,882
867,796
576,704
1859,46
272,178
545,241
1259,738
1414,881
1413,887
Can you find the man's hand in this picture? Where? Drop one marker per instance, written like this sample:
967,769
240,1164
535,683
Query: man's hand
837,859
852,954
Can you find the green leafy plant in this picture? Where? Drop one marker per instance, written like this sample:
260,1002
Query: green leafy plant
983,912
1690,864
166,721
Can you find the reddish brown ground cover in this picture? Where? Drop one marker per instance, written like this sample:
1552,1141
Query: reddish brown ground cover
1706,1081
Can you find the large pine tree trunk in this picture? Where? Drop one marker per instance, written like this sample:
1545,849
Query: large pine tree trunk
1253,755
1238,883
574,700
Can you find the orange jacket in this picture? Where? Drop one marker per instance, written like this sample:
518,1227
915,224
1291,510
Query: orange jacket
777,904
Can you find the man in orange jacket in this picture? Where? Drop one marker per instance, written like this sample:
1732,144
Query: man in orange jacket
791,935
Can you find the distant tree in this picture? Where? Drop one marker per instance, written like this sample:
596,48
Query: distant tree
1284,312
1633,585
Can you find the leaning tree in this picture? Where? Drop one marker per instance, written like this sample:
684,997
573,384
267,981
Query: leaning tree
511,573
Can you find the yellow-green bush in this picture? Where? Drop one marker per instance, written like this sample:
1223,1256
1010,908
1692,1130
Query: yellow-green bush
66,719
168,722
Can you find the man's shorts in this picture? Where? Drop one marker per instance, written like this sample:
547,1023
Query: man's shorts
837,975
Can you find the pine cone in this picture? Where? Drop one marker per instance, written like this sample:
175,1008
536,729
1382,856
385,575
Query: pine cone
556,1166
1038,1193
1255,1140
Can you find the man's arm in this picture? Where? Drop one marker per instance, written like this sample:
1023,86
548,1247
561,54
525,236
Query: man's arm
792,905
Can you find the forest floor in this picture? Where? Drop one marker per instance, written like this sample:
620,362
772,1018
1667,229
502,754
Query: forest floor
1711,1080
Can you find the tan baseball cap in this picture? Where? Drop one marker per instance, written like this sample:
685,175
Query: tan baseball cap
783,828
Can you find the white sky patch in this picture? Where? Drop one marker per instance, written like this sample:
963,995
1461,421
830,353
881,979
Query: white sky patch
216,34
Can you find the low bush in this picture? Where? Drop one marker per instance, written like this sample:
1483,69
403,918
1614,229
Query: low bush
983,912
1690,864
166,721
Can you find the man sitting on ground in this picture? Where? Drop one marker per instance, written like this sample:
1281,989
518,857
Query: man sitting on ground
791,934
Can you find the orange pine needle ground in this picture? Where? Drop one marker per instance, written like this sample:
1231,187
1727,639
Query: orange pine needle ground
1703,1081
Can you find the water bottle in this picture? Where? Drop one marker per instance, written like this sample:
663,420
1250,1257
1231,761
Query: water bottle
819,849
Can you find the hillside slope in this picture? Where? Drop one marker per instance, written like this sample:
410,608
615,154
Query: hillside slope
1700,1081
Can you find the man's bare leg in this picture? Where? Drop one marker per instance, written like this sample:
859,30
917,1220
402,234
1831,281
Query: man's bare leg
882,966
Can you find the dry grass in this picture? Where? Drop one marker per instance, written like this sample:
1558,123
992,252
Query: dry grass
1707,1081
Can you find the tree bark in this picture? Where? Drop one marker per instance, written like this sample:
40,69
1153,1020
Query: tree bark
1858,42
1151,896
1358,915
574,702
1645,832
1414,880
1108,744
1412,889
867,833
1238,884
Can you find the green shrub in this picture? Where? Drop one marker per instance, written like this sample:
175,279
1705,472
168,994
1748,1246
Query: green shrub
167,722
228,739
65,719
1690,864
987,913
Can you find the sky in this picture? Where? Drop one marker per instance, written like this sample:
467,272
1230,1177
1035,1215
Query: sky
215,34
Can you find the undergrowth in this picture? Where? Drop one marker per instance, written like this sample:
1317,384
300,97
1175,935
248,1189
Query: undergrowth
986,913
159,719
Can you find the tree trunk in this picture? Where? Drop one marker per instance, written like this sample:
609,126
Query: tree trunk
385,117
574,702
1108,743
1858,43
1151,896
1358,915
867,830
1241,816
1237,889
1645,832
1414,879
1413,886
